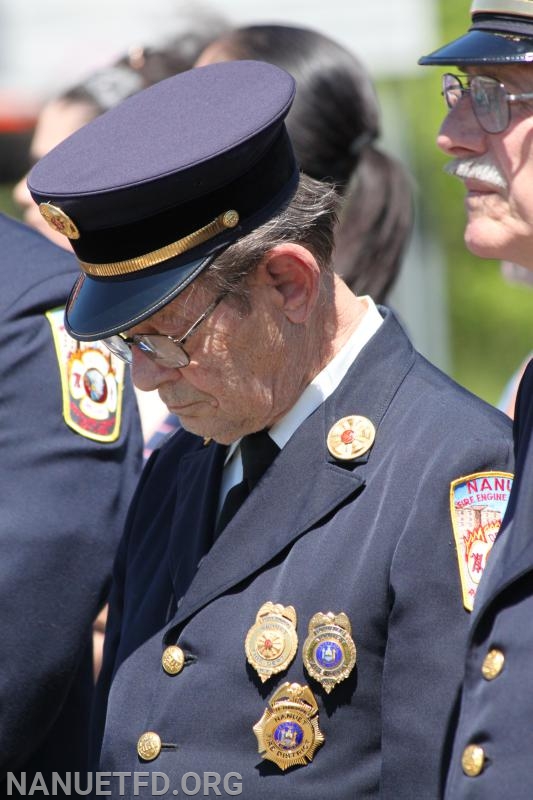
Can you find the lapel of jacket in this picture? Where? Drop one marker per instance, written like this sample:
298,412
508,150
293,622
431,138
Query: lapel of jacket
305,483
197,485
512,554
510,558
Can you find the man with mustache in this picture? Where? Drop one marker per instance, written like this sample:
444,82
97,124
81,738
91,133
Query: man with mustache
480,168
489,134
285,650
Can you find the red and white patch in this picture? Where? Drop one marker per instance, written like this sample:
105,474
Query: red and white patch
477,506
92,382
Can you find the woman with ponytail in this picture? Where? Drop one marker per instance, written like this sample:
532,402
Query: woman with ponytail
334,125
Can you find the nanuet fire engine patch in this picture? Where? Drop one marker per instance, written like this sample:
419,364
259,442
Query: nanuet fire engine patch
477,506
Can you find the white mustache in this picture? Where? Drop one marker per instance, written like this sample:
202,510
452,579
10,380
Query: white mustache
480,168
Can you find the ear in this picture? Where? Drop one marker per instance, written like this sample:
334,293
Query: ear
292,274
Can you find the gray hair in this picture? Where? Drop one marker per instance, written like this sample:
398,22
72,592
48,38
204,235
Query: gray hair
308,220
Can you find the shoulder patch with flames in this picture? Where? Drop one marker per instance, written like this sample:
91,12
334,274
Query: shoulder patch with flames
92,383
477,506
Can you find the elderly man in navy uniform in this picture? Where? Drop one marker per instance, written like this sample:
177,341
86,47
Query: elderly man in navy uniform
288,612
488,133
71,457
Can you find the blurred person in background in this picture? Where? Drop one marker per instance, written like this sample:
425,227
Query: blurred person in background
334,125
488,136
71,445
72,454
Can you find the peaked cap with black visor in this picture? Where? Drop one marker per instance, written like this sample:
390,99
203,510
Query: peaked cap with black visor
501,33
151,191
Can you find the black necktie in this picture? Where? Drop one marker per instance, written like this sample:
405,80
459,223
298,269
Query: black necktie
258,451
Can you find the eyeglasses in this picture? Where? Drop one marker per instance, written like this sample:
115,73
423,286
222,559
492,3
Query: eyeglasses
166,351
490,101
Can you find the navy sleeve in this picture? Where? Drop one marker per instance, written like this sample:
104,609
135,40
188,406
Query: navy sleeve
63,501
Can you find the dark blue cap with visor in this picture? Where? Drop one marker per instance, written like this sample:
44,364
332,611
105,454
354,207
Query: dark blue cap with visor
501,33
151,191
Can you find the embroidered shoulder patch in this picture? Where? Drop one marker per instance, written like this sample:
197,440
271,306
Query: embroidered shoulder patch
477,506
92,383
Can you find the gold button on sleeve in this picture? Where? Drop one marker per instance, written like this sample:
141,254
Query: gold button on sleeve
173,659
493,664
149,746
473,760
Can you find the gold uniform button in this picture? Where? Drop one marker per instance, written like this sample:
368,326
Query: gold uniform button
473,760
493,664
173,660
149,746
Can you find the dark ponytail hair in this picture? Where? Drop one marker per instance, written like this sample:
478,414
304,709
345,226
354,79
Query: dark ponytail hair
334,124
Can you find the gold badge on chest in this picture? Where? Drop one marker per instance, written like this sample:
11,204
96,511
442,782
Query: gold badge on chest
329,652
272,641
288,732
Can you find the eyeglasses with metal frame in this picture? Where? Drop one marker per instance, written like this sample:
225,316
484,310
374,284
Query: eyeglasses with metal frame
166,351
489,98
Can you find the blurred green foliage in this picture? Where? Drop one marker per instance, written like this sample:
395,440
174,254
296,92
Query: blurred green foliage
6,200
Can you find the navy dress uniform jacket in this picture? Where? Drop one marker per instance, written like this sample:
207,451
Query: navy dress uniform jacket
371,538
63,502
497,706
